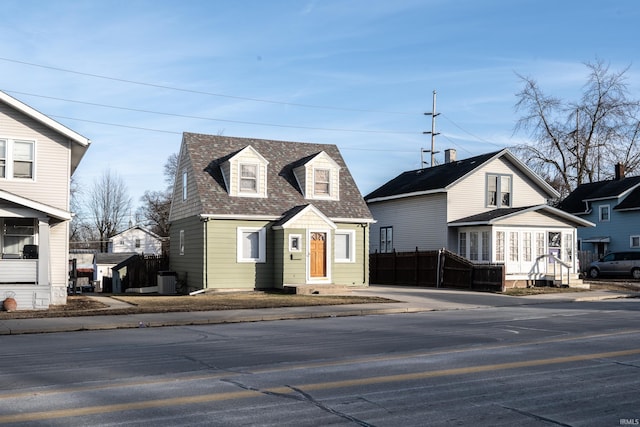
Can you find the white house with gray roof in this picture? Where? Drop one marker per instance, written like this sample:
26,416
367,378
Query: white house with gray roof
490,208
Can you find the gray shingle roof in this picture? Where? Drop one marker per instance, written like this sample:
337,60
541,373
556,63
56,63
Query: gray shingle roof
208,152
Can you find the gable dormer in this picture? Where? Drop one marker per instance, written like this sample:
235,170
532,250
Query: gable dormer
319,178
245,173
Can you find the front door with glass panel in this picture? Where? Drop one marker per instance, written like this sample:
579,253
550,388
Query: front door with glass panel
318,262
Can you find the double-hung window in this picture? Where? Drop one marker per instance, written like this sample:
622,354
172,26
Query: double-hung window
634,242
248,178
386,239
17,159
604,213
499,190
322,182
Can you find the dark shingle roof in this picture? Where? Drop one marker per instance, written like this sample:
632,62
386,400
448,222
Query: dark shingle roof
575,202
632,201
429,179
208,152
491,215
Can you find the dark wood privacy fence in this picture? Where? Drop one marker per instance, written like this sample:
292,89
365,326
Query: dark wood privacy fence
436,269
143,271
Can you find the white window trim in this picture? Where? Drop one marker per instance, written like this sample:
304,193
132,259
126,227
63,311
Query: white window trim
184,185
602,208
329,194
352,252
262,244
292,237
631,241
10,159
249,193
499,191
181,242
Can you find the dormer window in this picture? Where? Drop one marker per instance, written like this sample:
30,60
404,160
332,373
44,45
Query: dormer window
322,182
319,177
248,178
245,173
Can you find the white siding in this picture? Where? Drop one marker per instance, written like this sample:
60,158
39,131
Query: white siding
126,242
52,160
417,222
468,197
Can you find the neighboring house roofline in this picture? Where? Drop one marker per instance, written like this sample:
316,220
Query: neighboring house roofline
442,174
493,216
139,227
32,204
406,195
77,150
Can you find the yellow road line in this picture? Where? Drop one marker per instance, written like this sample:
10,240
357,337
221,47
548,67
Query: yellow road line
245,394
368,359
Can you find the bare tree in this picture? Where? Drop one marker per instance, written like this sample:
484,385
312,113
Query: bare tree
108,205
580,141
154,210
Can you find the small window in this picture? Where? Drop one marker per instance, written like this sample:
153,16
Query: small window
344,250
462,244
386,239
486,247
500,246
634,241
604,213
251,245
23,159
295,242
513,246
473,245
184,185
321,182
248,178
3,158
181,242
499,190
137,243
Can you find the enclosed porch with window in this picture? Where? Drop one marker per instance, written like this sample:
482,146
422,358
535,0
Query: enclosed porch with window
535,244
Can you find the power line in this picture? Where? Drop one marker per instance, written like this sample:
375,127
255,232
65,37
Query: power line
469,133
206,118
220,95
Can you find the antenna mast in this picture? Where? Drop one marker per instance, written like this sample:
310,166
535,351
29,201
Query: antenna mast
433,134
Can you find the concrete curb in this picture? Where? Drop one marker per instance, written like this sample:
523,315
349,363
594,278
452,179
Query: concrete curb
155,320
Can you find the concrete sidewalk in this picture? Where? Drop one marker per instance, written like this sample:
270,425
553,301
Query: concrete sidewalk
410,300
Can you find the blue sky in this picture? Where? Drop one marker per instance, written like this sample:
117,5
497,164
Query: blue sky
133,75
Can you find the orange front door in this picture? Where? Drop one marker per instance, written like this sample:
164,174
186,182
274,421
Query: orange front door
318,255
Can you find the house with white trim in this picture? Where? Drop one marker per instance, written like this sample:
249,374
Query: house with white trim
37,158
258,214
490,208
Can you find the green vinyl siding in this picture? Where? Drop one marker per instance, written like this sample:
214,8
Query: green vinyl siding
353,273
294,262
190,265
223,268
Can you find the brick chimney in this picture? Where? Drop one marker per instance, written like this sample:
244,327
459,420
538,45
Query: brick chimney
619,171
450,155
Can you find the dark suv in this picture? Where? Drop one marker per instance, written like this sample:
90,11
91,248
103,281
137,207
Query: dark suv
616,264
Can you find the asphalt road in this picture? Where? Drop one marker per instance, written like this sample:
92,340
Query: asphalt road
568,364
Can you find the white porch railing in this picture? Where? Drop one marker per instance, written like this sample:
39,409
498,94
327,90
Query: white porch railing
19,271
557,264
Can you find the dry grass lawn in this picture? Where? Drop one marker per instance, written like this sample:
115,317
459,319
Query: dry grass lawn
82,305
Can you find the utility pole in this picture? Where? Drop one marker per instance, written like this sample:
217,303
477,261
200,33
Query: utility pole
433,134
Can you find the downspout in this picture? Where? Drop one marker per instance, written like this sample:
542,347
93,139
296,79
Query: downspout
206,255
365,256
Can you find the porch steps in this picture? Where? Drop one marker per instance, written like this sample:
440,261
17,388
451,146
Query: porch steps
574,282
320,289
